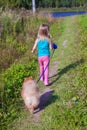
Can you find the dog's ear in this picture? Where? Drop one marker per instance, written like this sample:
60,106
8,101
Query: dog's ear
25,79
28,78
31,78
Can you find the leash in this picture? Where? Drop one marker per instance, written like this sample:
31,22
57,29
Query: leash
54,47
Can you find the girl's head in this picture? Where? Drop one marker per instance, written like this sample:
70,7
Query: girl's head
45,25
43,30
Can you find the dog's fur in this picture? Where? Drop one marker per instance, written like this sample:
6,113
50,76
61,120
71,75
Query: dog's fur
30,94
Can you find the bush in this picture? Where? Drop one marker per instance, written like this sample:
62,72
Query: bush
13,79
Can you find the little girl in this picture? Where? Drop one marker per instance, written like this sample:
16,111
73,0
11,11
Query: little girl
43,43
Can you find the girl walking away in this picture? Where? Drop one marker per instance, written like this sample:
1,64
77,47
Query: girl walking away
44,45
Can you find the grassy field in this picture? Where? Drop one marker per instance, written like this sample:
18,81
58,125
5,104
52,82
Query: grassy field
67,107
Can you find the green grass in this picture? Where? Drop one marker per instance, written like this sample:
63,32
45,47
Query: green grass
67,108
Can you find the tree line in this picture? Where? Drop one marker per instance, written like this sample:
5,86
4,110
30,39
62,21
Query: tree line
42,3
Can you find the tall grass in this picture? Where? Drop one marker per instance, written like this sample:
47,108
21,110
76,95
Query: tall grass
18,31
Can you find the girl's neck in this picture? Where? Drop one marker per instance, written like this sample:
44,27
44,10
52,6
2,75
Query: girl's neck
43,37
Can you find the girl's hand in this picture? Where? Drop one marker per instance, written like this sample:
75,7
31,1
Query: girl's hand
32,51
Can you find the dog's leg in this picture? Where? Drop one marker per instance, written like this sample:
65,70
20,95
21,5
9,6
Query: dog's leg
31,109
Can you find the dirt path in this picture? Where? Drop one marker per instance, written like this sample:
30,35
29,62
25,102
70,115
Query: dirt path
47,93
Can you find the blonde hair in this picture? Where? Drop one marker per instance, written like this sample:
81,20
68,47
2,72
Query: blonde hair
45,25
43,30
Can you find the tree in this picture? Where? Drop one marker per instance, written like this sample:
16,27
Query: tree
57,3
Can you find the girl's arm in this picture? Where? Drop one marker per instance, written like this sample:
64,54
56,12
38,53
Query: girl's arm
50,43
35,46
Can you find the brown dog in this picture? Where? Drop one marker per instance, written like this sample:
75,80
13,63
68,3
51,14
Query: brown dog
30,94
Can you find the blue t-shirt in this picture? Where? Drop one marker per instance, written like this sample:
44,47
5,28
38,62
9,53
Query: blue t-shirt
43,47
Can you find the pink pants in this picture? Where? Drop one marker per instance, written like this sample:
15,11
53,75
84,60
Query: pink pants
43,61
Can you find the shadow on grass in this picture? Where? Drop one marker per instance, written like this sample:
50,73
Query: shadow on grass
46,99
66,69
